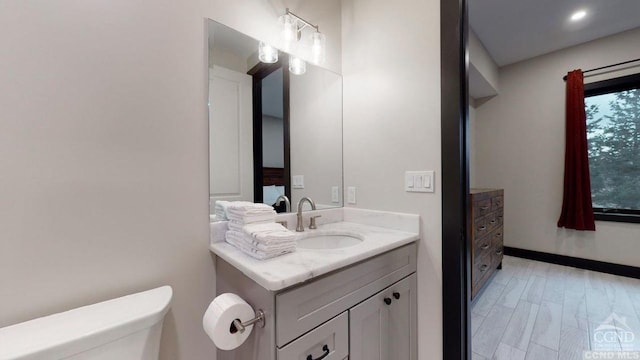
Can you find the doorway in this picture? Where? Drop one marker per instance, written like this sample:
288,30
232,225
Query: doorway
271,139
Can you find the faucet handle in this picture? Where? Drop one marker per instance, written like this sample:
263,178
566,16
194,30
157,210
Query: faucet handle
312,221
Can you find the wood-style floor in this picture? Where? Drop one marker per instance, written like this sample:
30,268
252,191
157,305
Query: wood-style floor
532,310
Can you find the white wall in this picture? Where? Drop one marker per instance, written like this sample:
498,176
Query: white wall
483,71
103,179
103,136
520,147
473,161
316,134
391,69
272,142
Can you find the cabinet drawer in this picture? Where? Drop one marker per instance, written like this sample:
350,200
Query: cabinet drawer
497,202
301,309
481,207
331,338
481,267
480,228
481,248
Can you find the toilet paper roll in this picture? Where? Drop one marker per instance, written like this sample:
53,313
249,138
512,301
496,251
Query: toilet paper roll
220,315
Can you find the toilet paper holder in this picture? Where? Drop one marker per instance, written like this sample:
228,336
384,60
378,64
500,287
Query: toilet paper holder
239,326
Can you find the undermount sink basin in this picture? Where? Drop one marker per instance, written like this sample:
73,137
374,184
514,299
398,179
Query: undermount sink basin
328,241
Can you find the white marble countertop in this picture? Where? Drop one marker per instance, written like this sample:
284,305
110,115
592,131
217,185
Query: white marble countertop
305,264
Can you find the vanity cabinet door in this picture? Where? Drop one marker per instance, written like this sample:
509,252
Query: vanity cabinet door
384,326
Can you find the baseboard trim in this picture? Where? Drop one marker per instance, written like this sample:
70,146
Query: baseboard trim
594,265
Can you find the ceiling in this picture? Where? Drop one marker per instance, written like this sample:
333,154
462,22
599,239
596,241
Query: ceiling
516,30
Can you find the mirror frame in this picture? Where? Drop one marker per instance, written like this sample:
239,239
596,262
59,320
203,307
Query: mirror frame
456,252
258,73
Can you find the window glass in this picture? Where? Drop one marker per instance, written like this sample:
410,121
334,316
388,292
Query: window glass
613,133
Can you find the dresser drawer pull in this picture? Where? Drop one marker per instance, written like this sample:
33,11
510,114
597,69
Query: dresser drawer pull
484,207
387,301
326,350
396,295
498,234
485,247
493,221
482,228
484,268
499,252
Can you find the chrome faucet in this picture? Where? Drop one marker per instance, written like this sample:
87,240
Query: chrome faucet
312,222
287,203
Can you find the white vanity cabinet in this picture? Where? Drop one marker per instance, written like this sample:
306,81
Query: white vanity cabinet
364,311
384,326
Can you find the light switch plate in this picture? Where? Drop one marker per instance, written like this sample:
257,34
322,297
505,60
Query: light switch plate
351,194
419,181
335,194
298,181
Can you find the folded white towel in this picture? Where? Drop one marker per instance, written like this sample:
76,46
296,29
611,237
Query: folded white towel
249,217
257,253
247,240
265,233
239,226
241,209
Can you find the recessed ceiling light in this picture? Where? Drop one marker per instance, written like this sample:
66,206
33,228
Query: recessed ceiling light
578,15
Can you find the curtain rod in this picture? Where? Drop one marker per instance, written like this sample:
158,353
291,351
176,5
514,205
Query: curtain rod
606,67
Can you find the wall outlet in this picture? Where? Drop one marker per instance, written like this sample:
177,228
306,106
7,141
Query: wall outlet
335,194
297,181
419,181
351,194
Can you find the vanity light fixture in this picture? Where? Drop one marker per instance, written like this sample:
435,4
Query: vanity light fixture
267,53
297,66
318,47
293,25
578,15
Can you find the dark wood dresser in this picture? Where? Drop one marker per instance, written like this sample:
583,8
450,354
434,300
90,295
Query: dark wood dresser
487,235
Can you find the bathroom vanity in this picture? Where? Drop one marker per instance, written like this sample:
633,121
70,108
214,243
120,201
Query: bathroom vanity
357,302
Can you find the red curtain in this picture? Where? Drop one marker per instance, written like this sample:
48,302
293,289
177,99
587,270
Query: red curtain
577,210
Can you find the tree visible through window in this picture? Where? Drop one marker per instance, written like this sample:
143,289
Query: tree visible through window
613,133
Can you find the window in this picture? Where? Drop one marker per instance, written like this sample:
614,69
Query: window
613,134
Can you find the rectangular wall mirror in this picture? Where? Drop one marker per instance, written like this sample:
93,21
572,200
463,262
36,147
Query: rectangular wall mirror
271,132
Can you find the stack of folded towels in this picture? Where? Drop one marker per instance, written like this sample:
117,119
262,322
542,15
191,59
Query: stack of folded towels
252,229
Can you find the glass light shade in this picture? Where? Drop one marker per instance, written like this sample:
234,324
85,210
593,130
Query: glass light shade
318,46
297,66
267,53
290,30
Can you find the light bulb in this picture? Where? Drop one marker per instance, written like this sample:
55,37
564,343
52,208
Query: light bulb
267,53
297,66
318,42
578,15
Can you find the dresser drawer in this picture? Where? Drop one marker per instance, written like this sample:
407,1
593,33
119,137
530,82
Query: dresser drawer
330,340
480,228
481,267
301,309
482,247
481,207
497,237
497,202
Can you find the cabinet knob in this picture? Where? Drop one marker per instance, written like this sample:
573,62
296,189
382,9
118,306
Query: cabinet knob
387,301
396,295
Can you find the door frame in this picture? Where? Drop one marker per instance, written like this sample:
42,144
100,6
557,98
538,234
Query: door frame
456,287
258,73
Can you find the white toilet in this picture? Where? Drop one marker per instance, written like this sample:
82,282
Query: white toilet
126,328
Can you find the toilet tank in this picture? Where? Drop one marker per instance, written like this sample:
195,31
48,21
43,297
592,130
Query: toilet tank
126,328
